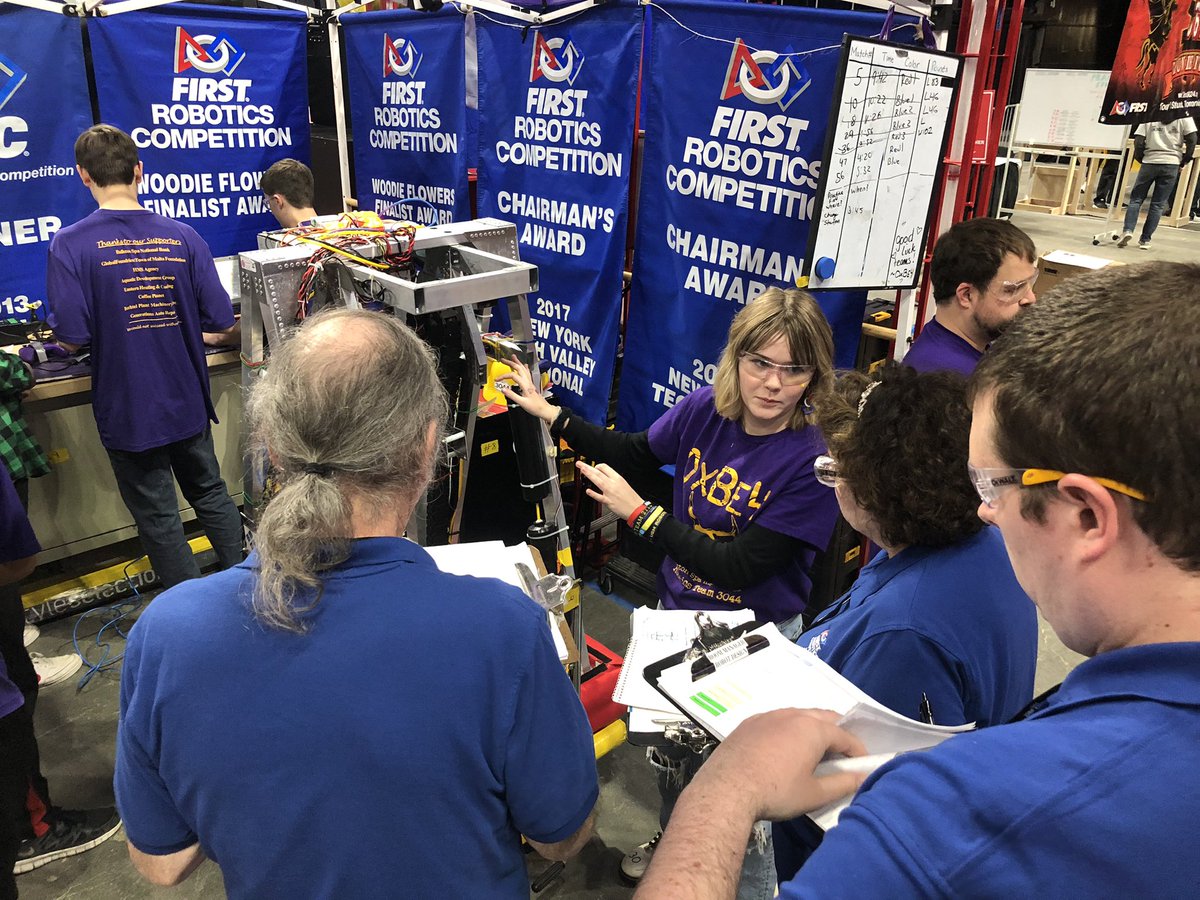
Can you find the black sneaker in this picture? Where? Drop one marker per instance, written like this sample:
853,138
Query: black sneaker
1100,204
72,831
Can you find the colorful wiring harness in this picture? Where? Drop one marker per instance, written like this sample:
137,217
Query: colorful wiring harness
345,239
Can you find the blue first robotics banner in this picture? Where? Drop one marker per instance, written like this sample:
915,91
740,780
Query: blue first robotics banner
735,131
211,97
43,109
407,79
556,112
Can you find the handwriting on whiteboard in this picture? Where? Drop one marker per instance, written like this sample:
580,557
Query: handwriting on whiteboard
882,171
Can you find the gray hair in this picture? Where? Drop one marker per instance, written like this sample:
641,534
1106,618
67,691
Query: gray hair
343,412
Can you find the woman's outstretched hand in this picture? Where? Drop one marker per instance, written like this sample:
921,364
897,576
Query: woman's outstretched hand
526,394
609,488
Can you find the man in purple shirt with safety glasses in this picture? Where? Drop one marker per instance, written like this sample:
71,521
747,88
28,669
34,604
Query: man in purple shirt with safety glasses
983,272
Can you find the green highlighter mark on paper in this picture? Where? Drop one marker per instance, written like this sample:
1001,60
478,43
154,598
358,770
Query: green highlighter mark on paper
708,704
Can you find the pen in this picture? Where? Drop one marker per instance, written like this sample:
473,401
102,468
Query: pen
926,710
734,650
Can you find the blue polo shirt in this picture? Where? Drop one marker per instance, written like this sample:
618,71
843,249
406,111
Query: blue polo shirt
950,623
141,289
397,748
937,349
1093,796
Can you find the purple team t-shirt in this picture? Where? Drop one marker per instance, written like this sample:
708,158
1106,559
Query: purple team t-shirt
725,480
17,541
140,288
938,349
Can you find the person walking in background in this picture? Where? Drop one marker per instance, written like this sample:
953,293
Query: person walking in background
1162,148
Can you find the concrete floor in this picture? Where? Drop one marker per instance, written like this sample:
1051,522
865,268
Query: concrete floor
1075,233
77,730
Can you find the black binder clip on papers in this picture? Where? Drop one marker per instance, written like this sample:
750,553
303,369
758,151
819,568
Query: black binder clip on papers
718,645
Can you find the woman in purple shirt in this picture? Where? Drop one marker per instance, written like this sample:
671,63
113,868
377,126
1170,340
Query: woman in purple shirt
749,515
748,512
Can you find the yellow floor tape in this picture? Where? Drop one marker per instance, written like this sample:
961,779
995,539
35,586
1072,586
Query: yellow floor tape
104,576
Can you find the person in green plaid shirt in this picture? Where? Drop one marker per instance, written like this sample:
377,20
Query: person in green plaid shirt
18,448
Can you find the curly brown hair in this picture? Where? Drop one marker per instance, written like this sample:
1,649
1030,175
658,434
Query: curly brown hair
905,457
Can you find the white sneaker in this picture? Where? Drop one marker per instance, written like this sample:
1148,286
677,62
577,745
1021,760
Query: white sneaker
31,633
636,861
1143,245
53,669
1125,239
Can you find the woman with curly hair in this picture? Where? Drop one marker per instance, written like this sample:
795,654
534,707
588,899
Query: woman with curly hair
936,625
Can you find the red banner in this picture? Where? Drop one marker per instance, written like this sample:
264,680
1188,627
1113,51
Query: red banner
1156,76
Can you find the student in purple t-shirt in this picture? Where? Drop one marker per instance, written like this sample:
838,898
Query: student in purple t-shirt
983,272
749,514
143,291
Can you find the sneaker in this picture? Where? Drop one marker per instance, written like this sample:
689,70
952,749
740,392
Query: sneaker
1143,245
31,633
72,832
633,865
1100,204
1125,239
53,669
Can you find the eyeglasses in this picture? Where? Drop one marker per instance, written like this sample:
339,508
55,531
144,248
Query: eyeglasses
760,368
1015,291
826,470
990,482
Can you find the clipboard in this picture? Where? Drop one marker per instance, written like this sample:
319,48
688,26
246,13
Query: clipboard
654,670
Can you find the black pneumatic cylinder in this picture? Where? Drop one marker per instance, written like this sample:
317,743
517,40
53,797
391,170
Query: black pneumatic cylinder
533,463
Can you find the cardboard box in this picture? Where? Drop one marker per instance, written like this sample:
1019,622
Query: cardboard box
1060,264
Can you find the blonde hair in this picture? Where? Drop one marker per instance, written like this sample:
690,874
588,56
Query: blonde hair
794,315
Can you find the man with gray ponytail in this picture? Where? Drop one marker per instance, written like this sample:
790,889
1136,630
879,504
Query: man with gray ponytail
318,718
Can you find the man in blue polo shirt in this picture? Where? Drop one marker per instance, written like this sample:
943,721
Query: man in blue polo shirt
1082,446
336,717
143,291
982,275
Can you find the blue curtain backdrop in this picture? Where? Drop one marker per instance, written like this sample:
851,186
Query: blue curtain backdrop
407,82
212,97
556,110
735,129
43,109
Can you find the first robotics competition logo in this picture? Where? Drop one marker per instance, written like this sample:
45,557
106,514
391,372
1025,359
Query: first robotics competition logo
12,76
557,59
210,107
400,57
207,53
764,76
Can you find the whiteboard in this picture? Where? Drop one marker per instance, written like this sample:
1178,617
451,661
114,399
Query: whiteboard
1060,108
884,149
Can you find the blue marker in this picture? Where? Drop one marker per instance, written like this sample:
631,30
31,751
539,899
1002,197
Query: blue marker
824,268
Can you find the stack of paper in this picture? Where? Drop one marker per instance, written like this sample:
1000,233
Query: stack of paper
655,634
491,559
783,676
